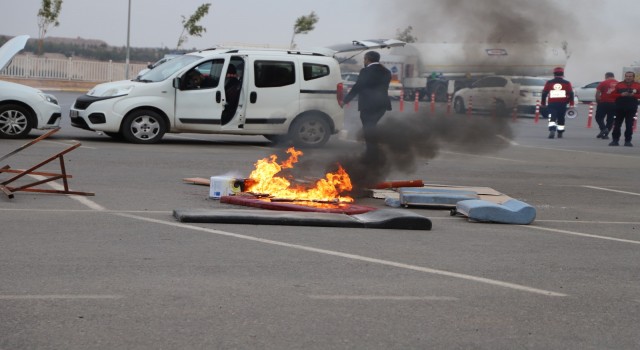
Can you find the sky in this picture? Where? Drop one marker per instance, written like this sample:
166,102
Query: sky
602,35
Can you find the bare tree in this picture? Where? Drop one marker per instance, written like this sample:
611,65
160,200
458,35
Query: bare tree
190,26
47,16
303,25
406,35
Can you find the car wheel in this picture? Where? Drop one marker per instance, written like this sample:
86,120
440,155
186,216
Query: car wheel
310,131
14,121
143,126
458,105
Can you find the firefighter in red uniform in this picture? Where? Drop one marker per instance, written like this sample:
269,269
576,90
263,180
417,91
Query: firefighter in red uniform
560,92
606,105
627,93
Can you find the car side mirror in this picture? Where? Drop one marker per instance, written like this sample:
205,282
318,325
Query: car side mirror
150,66
176,83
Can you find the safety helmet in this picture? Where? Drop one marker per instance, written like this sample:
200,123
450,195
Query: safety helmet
559,70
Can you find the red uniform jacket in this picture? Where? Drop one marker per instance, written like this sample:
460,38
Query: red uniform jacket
607,88
627,102
558,90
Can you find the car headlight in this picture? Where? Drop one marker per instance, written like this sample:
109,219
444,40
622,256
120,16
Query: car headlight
49,98
119,91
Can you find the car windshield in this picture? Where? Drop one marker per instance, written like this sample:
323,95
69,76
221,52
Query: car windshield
166,69
529,81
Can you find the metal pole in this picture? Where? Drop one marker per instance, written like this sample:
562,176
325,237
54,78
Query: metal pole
128,31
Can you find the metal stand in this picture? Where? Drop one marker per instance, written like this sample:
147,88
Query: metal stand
50,176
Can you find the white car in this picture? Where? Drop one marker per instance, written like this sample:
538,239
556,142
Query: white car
587,93
286,96
501,93
23,108
493,93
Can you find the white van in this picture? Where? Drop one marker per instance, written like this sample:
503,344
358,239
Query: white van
285,95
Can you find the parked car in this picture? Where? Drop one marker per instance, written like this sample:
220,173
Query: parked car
587,93
492,93
286,96
23,108
501,93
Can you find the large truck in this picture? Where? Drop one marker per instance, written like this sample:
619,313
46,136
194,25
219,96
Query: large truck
442,68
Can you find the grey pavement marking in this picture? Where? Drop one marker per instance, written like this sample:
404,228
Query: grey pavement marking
354,257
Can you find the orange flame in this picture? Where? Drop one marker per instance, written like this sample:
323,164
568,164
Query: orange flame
266,181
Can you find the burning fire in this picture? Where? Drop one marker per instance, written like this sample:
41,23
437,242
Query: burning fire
264,180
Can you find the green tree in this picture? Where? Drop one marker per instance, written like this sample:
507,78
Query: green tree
303,25
190,26
47,16
406,35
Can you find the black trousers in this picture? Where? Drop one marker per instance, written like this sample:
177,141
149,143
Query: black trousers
369,121
556,112
623,115
608,110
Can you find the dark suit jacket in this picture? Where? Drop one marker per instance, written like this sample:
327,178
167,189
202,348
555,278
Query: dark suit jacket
372,89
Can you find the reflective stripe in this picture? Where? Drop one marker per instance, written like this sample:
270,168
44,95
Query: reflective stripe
552,123
560,127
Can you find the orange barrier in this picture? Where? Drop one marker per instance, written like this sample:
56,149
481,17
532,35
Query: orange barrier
417,101
433,103
537,116
401,100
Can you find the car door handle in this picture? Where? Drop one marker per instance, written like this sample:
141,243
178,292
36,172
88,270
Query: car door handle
218,96
253,97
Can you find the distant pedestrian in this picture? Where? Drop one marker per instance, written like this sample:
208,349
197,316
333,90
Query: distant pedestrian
627,93
372,89
606,105
559,93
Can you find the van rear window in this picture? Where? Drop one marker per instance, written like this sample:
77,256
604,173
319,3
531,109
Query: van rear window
314,71
274,73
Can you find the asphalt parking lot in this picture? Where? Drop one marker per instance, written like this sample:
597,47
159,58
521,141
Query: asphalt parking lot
117,271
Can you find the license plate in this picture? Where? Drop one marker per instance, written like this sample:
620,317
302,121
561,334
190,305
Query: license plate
73,114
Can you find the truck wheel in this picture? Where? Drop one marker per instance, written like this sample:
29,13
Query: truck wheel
14,121
310,131
143,126
458,105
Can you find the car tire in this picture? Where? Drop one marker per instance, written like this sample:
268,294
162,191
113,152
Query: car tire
143,126
15,121
310,131
458,105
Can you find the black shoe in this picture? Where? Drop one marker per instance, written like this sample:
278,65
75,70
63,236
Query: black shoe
600,134
614,143
605,136
628,144
552,134
560,135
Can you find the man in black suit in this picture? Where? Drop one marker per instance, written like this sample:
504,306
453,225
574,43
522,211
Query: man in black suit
372,89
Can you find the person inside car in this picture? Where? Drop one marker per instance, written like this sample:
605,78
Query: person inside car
232,87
